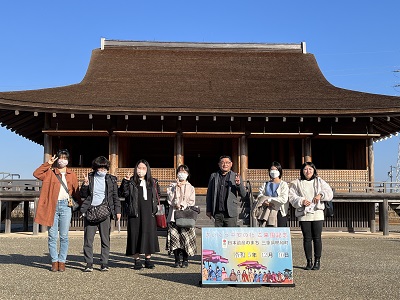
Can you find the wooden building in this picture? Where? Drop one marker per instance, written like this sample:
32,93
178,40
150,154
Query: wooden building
174,103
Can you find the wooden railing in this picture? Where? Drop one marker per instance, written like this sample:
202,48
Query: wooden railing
355,199
351,186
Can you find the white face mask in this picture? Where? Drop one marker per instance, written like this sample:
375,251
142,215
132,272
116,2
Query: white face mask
62,163
274,173
101,173
141,173
182,176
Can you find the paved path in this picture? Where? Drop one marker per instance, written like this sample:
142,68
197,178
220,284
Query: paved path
354,266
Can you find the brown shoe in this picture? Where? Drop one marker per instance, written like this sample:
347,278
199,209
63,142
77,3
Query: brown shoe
61,267
54,266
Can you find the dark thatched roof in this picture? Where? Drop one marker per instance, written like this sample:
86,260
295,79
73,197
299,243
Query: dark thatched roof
157,79
198,79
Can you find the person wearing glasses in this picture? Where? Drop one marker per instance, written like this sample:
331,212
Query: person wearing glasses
224,187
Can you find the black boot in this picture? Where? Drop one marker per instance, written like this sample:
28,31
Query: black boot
309,264
185,257
138,264
177,258
148,264
317,264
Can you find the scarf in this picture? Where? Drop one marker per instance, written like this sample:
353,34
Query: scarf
143,185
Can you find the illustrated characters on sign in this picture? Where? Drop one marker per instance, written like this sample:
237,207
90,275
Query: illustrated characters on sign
247,271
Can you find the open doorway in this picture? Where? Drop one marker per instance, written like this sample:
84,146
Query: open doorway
201,155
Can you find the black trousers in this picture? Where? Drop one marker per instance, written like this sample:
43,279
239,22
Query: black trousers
88,238
312,231
222,219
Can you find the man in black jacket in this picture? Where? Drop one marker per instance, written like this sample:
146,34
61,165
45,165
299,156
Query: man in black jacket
224,187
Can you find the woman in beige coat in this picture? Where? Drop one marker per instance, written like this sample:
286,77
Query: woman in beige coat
181,195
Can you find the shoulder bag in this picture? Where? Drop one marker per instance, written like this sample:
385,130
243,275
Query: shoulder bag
99,213
71,202
161,220
186,217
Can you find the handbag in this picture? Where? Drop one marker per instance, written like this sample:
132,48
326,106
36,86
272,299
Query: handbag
328,209
161,220
99,213
73,204
186,218
71,201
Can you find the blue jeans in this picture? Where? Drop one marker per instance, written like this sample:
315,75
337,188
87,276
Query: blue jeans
62,221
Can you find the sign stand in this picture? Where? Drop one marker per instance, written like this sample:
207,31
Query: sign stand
246,257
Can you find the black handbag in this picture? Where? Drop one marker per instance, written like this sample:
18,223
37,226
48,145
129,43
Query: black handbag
99,213
328,209
71,201
186,218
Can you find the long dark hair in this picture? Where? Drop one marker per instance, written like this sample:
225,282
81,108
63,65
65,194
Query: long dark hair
308,163
147,177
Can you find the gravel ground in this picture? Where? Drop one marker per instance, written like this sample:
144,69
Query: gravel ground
354,266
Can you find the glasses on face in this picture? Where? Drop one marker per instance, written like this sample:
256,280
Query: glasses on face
224,163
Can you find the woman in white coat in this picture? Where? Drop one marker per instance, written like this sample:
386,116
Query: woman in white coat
272,202
307,195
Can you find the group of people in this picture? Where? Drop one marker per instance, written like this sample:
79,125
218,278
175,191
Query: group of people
306,194
99,188
141,192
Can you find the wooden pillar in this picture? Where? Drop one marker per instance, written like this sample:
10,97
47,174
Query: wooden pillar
26,215
179,157
371,178
113,153
48,153
370,161
292,155
243,158
235,155
123,146
7,220
35,225
48,147
281,154
372,225
48,140
385,217
306,157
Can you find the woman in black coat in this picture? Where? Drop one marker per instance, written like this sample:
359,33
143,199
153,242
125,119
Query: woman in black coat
140,192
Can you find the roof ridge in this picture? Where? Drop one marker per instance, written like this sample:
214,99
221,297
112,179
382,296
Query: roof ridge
299,47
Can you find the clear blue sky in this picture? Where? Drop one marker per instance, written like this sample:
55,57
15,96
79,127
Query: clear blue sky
47,44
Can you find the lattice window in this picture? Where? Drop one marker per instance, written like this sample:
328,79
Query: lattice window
164,175
81,173
340,180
